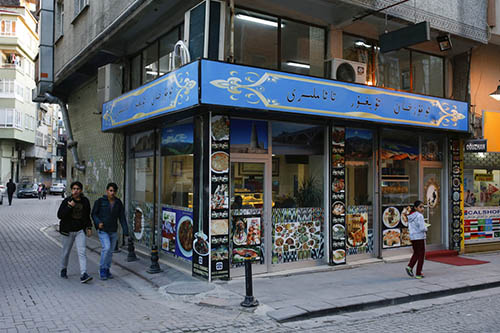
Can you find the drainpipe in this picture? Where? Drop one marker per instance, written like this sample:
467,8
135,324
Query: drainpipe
72,144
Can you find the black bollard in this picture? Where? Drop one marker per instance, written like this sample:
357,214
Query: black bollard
155,267
249,300
131,250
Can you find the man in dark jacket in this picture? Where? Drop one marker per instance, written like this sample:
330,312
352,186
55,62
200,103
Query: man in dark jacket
106,211
74,214
11,188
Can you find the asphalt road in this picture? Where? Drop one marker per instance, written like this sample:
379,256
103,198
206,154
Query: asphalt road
34,299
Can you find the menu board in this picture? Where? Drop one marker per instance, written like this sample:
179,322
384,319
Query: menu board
395,231
297,234
219,198
456,193
481,224
177,231
357,229
338,208
246,236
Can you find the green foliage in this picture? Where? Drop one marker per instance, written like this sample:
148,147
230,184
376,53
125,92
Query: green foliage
309,194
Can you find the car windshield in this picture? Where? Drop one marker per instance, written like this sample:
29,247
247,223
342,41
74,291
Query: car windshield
27,186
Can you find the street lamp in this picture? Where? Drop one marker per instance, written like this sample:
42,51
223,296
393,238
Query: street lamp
496,94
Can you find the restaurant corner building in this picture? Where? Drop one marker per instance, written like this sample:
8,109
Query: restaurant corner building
291,140
330,184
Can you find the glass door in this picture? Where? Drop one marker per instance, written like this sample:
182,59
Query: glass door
249,223
432,198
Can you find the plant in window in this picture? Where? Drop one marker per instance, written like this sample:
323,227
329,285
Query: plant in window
309,193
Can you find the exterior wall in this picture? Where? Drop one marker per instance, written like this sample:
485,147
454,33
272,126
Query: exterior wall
465,18
484,76
102,153
80,31
5,160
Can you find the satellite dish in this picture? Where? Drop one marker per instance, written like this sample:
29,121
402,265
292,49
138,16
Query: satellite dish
345,72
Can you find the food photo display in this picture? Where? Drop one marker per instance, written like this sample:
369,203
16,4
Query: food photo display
395,231
338,208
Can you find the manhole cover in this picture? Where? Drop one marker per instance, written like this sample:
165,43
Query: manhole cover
188,288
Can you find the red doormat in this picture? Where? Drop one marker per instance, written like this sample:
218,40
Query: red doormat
456,260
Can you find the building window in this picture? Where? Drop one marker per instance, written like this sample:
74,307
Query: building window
405,69
150,63
6,88
167,43
59,19
135,72
39,138
27,121
258,38
7,28
80,5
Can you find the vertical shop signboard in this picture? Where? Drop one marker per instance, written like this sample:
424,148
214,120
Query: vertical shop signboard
338,198
219,198
456,193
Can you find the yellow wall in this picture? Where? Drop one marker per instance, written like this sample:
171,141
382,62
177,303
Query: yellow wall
484,79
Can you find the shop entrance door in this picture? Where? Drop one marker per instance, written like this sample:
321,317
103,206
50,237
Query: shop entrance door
250,207
432,196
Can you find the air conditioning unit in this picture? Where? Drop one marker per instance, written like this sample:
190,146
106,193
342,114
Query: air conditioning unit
348,71
109,82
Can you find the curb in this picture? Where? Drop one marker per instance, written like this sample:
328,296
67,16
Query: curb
296,313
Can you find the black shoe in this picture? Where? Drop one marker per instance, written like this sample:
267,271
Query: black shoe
64,273
85,278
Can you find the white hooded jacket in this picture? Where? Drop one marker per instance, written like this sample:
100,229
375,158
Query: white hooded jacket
417,227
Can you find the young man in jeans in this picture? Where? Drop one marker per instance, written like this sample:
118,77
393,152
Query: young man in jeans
106,212
74,214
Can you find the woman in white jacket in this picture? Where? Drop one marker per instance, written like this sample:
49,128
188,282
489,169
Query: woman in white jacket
418,230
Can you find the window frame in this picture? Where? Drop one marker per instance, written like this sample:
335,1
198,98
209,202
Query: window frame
279,19
79,6
375,43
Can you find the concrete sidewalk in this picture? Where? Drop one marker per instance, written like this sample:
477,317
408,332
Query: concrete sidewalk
315,292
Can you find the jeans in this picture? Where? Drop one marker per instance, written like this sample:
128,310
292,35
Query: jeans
68,241
108,243
418,255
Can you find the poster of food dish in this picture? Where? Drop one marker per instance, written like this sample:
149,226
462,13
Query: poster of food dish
338,199
177,231
246,235
457,204
395,226
357,227
297,234
219,198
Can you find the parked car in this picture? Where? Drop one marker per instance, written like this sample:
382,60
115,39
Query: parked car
57,188
27,190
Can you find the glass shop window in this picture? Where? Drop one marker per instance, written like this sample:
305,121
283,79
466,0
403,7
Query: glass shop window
177,185
360,50
427,74
393,70
142,186
303,48
150,63
167,44
297,191
359,191
432,148
248,136
255,39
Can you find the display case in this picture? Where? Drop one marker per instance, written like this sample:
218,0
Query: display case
395,189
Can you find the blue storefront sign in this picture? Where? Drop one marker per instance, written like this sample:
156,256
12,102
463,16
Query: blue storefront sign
238,86
175,91
249,87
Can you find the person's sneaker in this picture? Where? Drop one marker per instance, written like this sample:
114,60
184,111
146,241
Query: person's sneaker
409,271
108,274
419,276
102,274
85,278
64,273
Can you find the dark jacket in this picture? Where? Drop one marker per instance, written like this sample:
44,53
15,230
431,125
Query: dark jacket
102,213
70,222
11,187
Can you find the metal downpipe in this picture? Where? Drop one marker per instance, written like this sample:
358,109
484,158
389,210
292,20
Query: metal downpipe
72,144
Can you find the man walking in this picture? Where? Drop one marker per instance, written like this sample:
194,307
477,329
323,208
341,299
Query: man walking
105,213
11,188
74,214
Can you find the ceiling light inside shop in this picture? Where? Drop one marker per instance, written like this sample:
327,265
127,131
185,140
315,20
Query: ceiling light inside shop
496,94
257,20
362,43
297,64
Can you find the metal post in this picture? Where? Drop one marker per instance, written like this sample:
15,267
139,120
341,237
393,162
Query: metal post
155,267
249,300
131,250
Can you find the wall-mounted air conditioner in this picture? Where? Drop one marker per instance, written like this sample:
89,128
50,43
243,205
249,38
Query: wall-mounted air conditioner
348,71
